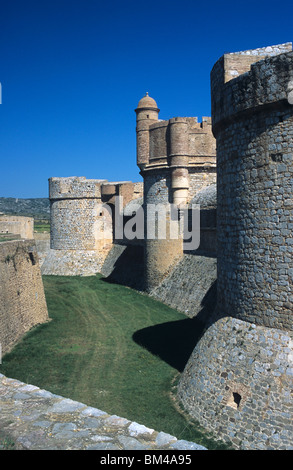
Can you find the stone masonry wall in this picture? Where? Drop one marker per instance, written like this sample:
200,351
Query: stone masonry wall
18,225
22,299
255,219
255,169
82,223
238,381
238,384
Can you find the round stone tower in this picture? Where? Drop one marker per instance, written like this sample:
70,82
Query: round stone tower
81,227
177,159
238,382
147,113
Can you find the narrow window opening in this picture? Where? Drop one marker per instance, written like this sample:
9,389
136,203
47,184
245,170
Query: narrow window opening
32,258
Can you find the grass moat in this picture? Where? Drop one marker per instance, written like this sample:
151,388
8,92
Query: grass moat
114,349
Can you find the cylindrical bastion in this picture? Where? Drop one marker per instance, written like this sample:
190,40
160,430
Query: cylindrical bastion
238,382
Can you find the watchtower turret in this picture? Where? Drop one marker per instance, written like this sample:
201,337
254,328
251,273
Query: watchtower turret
147,113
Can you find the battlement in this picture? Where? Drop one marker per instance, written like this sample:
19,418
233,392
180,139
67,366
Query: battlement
258,81
159,140
74,187
233,64
179,136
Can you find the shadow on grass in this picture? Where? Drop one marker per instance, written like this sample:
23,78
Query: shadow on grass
175,341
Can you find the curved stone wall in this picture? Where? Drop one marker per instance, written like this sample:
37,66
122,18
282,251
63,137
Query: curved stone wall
239,379
238,384
255,205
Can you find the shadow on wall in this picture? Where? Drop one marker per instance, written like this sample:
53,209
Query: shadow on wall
128,268
175,341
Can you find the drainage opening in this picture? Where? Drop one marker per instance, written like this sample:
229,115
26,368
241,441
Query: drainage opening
234,400
237,399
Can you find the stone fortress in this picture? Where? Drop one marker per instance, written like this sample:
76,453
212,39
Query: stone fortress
238,381
237,164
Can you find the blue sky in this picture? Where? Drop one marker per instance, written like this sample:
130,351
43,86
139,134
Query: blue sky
73,71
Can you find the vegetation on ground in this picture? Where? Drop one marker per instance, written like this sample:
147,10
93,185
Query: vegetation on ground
112,348
41,227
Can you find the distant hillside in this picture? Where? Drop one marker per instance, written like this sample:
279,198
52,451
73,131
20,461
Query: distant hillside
39,208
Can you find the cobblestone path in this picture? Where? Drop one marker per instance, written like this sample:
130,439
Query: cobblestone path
36,419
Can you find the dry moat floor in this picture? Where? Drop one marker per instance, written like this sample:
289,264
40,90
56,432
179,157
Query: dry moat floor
113,349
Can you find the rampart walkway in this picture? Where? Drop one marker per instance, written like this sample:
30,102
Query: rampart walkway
36,419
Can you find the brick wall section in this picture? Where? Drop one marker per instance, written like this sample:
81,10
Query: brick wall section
22,299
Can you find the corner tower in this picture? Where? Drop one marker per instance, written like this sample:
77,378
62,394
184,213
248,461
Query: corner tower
238,382
177,158
147,113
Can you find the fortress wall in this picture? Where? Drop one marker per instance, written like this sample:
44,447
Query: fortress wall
237,384
82,214
80,224
255,169
161,255
177,158
190,287
239,379
18,225
255,226
200,178
22,299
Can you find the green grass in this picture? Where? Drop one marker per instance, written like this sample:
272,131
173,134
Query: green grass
41,227
112,348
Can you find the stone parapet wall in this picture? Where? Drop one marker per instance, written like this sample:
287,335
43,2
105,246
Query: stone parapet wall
36,419
22,298
265,83
74,187
181,137
18,225
238,384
